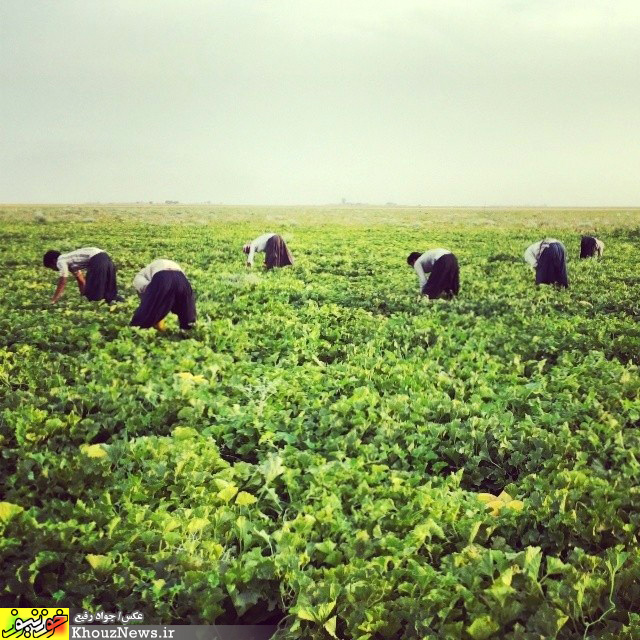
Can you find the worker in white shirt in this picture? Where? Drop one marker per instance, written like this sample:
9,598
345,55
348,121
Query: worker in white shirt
100,281
590,247
163,288
277,253
442,267
548,258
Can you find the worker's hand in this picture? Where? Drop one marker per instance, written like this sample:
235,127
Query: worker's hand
54,300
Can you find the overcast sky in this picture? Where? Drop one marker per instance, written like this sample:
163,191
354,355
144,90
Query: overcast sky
440,102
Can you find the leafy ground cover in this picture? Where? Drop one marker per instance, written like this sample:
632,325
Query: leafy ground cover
322,450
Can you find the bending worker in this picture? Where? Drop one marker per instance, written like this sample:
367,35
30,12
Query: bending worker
277,253
442,265
100,281
163,288
548,258
590,247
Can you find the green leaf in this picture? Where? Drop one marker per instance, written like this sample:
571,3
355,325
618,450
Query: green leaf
330,626
99,562
197,524
272,467
93,450
9,510
427,530
473,532
555,565
158,585
324,610
227,493
501,592
305,613
318,613
326,546
532,560
244,499
184,433
482,628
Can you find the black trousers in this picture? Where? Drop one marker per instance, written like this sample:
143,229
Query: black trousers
444,278
101,278
552,266
277,253
168,292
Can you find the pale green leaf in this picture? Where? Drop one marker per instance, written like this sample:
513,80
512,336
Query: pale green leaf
227,493
482,628
9,510
244,499
330,626
99,562
197,524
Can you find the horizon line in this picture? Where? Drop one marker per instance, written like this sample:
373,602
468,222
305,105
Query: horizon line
387,205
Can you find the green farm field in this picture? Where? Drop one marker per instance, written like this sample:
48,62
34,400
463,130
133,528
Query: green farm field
317,451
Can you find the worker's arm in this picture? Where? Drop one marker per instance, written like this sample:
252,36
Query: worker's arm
140,283
419,269
79,276
530,256
62,283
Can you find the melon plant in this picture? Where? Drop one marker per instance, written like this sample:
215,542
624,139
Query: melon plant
322,451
